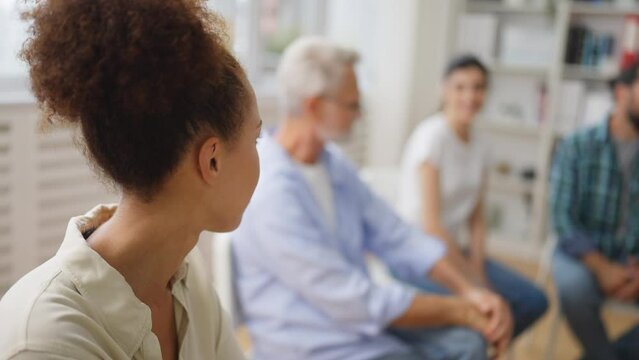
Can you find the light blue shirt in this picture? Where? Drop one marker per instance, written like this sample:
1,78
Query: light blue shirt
304,288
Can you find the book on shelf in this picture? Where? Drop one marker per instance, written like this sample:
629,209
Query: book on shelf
630,41
590,49
596,50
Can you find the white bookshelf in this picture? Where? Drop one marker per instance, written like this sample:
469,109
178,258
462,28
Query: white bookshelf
595,9
510,185
539,133
501,7
519,70
563,13
507,127
586,73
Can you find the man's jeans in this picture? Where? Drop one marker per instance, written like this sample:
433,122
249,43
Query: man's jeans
527,302
581,300
440,344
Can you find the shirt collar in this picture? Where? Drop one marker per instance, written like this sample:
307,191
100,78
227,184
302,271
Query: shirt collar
181,274
273,154
125,317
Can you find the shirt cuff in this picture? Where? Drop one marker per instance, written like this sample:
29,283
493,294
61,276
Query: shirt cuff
397,299
576,245
424,253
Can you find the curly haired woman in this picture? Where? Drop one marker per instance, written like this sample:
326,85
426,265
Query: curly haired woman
167,115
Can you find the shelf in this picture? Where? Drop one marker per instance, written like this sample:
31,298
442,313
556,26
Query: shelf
578,8
579,72
521,247
519,70
510,184
499,7
508,128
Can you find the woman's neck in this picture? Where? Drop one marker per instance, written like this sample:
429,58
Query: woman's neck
460,128
146,243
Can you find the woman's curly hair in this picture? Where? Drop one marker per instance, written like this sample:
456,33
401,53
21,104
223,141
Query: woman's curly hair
143,78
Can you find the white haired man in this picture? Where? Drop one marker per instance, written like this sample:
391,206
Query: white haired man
300,251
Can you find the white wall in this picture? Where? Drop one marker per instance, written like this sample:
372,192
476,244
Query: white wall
390,99
404,45
435,34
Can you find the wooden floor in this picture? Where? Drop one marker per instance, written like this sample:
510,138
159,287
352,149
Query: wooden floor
534,344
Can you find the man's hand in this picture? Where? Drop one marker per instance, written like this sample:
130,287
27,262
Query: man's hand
499,330
468,315
629,292
612,278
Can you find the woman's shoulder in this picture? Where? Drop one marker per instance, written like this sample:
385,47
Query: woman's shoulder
29,290
434,125
40,313
430,133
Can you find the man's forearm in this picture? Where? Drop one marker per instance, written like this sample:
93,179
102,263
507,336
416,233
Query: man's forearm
453,253
446,274
432,311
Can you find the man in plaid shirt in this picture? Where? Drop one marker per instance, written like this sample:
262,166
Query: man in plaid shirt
595,210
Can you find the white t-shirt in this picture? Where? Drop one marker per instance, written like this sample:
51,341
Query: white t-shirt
318,180
461,166
76,306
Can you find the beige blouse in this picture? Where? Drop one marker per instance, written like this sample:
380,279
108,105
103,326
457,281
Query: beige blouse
76,306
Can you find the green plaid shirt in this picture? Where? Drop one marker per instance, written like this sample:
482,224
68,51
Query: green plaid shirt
585,196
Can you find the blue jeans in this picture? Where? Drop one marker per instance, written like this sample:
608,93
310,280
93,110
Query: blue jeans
581,300
527,302
440,344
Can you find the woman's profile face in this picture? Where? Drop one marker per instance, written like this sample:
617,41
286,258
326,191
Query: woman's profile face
240,172
464,93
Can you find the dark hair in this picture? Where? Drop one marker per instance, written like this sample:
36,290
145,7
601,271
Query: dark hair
464,62
626,77
144,79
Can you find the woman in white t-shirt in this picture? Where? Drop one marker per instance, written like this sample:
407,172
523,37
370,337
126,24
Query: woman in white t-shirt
444,169
167,115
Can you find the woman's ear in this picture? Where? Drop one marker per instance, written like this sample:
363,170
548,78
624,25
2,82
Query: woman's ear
209,159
